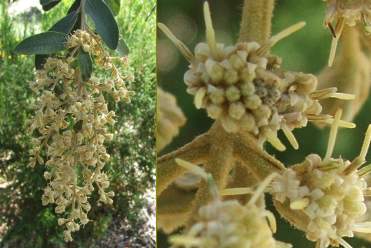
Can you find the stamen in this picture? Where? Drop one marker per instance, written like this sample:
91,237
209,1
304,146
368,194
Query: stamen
333,134
299,204
237,191
327,119
367,192
281,35
210,33
180,45
366,144
344,243
184,240
192,168
331,93
290,137
366,170
329,166
320,93
342,96
271,221
199,97
286,32
364,227
260,190
275,141
338,30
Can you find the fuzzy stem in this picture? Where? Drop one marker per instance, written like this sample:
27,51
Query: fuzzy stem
256,20
219,165
167,170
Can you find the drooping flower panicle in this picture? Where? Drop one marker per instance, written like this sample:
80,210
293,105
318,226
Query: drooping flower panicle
71,125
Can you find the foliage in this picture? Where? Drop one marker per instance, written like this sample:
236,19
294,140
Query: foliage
132,151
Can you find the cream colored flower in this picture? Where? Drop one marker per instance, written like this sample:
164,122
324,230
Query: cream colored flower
329,194
72,123
228,224
247,91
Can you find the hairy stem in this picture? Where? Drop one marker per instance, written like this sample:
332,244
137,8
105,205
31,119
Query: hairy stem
256,20
259,162
167,170
219,164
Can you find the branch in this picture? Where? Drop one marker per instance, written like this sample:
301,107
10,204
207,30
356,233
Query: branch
256,20
167,170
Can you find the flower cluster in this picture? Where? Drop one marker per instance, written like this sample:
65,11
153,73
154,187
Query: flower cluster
329,193
170,118
228,224
71,125
246,90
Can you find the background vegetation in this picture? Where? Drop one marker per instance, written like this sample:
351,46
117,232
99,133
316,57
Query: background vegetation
306,50
24,222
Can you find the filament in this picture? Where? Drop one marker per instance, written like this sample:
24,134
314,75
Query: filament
334,43
210,33
286,32
271,221
192,168
180,45
260,190
237,191
291,137
366,170
327,119
281,35
366,144
299,204
199,97
333,134
344,243
184,240
275,141
364,227
320,93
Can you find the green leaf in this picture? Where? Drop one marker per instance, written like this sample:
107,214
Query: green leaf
105,23
49,4
65,24
122,48
85,64
114,6
44,43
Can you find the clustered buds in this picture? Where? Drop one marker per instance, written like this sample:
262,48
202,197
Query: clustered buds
330,193
246,90
170,118
71,125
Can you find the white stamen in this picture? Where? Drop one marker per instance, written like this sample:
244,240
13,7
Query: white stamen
286,32
237,191
366,144
299,204
210,33
192,168
180,45
275,141
333,134
199,97
344,243
271,221
260,190
364,227
290,137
